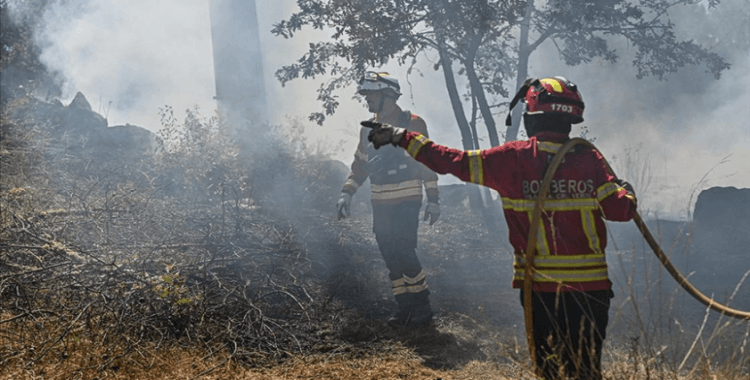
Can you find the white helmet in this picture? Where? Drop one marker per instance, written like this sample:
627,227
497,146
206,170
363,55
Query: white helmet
374,81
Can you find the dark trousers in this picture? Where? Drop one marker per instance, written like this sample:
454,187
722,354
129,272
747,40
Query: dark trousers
395,227
569,331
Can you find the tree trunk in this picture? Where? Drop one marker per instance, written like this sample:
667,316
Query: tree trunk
484,107
473,122
458,110
491,211
524,51
475,199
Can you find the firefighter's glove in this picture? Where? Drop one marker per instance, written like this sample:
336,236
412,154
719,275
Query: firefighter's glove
344,205
629,188
383,134
432,212
626,185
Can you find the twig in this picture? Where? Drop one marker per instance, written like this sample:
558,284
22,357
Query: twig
206,372
697,337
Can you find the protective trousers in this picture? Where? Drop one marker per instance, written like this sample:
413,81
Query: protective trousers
569,331
395,227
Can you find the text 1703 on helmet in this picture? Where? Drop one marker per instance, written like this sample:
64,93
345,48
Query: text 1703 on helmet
555,96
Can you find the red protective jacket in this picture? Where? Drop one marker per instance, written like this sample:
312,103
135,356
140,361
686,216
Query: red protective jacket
583,194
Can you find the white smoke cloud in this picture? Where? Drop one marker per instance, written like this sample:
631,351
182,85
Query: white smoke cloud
692,130
140,55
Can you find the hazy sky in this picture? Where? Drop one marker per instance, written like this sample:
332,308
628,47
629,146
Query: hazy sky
141,55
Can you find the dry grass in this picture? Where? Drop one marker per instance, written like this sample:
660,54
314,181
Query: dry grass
108,277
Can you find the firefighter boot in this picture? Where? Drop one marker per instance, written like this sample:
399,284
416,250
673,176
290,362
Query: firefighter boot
412,314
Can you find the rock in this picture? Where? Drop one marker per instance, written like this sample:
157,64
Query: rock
80,120
79,101
722,205
130,137
720,254
722,220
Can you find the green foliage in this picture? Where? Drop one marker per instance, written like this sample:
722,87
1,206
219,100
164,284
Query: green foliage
199,160
311,168
483,37
197,157
172,288
372,33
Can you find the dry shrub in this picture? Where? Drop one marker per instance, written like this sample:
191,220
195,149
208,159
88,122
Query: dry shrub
230,275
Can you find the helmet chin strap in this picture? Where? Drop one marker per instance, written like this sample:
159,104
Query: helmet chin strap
519,95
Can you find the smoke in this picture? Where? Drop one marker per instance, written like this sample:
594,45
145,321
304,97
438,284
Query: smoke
690,130
130,58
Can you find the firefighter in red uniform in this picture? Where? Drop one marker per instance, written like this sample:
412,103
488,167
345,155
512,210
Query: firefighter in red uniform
571,291
396,180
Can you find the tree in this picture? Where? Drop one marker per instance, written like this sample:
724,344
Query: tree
23,72
580,31
370,33
491,40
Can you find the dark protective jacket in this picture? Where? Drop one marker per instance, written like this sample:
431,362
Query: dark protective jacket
582,194
394,176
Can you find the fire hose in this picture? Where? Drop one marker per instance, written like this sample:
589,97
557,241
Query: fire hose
531,252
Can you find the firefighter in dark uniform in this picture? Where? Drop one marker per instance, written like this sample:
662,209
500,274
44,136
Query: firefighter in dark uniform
396,180
571,290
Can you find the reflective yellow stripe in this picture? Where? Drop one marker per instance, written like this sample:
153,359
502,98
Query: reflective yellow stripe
416,144
476,169
606,190
548,147
403,193
396,190
564,261
410,289
542,247
409,280
589,228
549,275
412,183
551,147
408,284
527,205
352,185
430,184
361,155
538,277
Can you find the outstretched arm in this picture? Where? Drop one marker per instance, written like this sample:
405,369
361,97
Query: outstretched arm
469,166
428,177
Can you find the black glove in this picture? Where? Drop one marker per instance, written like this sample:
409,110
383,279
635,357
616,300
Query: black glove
383,134
626,185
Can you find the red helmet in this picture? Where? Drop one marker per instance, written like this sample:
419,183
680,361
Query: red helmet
551,96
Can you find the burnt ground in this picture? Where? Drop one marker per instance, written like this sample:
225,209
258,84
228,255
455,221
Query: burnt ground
272,289
146,263
469,277
107,261
91,288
